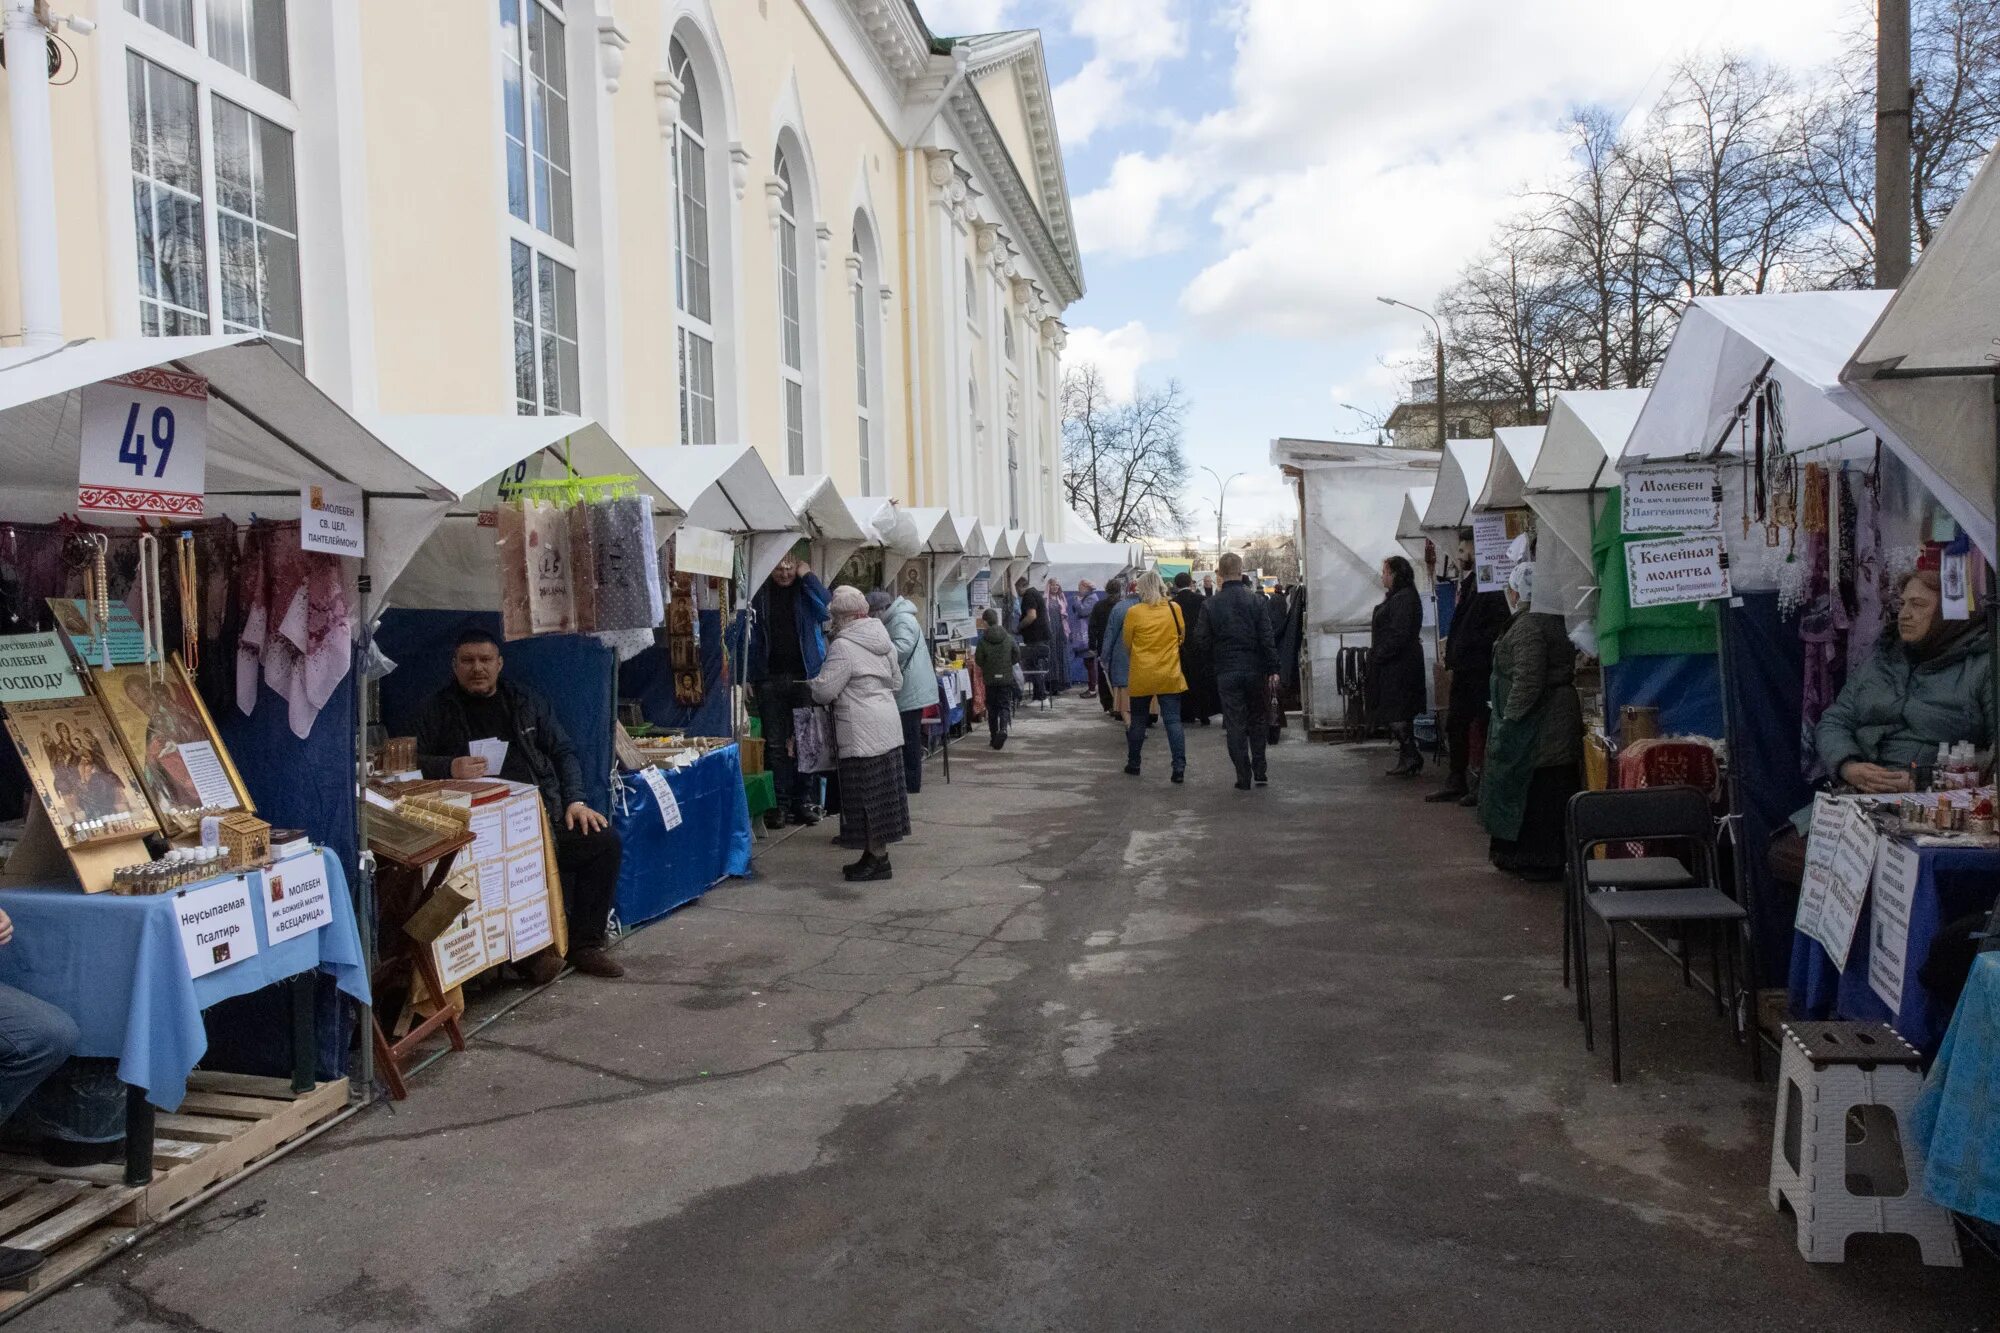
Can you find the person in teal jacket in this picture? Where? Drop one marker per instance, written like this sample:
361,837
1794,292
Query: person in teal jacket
920,687
1117,656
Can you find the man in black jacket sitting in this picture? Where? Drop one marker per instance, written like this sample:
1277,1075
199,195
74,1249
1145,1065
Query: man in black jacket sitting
1237,627
478,705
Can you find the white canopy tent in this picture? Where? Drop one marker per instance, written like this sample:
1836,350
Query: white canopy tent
1410,534
455,569
727,488
1513,460
826,520
1038,557
1586,434
271,431
1461,476
1925,375
1069,563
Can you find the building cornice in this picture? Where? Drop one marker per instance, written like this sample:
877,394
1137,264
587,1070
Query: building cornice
974,125
1021,53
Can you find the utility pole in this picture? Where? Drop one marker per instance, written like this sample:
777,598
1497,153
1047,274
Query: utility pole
1892,142
25,25
1437,330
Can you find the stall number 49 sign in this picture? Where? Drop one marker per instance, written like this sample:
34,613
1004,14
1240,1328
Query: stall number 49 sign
144,444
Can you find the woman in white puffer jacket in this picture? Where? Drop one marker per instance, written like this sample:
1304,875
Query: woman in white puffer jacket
859,679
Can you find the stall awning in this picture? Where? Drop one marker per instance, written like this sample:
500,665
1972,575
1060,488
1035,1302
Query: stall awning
270,432
725,487
1513,461
1410,534
825,518
455,568
937,532
1724,348
1461,476
1946,317
1586,434
1098,561
971,537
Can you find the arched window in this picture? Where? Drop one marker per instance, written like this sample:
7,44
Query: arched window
694,308
791,338
867,354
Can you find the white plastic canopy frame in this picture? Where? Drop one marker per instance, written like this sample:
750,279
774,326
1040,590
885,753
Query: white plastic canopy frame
1410,534
826,520
1069,563
1579,458
1461,476
454,569
1513,459
271,431
727,487
1945,318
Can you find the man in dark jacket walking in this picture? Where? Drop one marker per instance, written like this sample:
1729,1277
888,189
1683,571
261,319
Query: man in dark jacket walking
1237,632
1478,619
1199,702
478,705
1100,615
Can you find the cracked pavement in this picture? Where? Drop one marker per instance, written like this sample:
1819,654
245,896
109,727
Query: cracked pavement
1105,1054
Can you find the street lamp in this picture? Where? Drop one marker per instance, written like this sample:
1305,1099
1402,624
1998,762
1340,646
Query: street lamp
1222,494
1369,420
1439,329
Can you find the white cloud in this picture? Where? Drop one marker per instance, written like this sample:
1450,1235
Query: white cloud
1117,353
1122,217
957,18
1129,40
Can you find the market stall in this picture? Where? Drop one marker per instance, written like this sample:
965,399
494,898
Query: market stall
831,528
1577,463
187,739
1410,533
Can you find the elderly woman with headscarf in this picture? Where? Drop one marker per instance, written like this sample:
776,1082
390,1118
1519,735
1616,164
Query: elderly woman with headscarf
859,679
1534,744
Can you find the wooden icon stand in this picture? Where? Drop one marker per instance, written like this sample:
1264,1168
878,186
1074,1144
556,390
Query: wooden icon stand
404,886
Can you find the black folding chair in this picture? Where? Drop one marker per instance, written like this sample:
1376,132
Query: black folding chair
1649,890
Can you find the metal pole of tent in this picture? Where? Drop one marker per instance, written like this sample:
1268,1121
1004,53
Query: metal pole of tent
364,860
944,704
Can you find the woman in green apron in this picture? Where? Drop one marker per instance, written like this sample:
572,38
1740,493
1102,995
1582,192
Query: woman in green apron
1534,748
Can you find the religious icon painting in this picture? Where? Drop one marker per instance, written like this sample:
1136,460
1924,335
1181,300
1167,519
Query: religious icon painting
78,771
183,767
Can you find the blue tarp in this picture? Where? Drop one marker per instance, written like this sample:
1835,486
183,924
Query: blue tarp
1686,688
664,868
572,671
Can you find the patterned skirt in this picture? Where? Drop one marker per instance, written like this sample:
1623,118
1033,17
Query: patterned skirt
874,807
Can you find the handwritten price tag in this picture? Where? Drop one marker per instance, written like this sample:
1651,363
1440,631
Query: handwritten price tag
144,444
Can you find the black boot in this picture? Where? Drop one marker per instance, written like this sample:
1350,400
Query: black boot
859,868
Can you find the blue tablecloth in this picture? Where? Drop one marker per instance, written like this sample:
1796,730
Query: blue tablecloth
662,869
1953,881
1957,1117
114,964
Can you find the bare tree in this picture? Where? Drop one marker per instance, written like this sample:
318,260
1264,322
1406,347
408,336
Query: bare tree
1512,323
1124,464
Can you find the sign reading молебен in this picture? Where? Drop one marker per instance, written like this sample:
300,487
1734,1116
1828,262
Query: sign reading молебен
1676,569
1670,499
36,666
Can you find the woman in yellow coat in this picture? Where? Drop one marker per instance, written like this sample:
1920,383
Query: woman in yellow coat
1154,630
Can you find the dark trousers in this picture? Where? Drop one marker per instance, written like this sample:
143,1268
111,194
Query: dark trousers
588,864
777,696
999,707
1035,658
1244,704
1103,685
1469,707
913,750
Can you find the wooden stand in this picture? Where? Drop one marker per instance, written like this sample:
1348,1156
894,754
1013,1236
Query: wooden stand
403,887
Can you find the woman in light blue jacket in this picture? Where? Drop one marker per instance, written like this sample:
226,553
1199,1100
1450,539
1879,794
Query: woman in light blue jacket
920,688
1117,655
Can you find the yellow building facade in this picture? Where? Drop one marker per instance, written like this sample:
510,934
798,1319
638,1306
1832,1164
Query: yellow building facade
810,225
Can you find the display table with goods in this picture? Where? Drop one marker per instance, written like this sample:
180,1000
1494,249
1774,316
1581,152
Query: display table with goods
684,821
1884,877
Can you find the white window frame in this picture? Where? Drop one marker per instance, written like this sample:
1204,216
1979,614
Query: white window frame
212,78
793,401
516,230
555,10
689,326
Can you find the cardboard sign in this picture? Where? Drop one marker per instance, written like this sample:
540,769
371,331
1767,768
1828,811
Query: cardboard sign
296,900
216,924
704,551
330,519
1677,569
1897,869
1670,499
143,444
36,666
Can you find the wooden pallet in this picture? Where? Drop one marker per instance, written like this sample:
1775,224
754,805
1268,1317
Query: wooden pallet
75,1215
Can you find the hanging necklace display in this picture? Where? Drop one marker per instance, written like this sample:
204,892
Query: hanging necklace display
97,594
150,610
187,575
1758,462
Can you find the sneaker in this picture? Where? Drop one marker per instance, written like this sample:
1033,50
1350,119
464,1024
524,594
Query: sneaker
16,1264
543,968
1132,769
774,820
1179,776
593,961
1262,779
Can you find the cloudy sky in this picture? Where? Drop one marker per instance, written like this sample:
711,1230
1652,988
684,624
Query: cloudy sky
1248,175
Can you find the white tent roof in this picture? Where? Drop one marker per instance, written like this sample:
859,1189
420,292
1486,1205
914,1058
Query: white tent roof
1038,550
971,537
1946,317
1410,534
937,531
1519,446
824,517
1586,433
1099,561
725,487
454,569
270,431
1723,346
1461,476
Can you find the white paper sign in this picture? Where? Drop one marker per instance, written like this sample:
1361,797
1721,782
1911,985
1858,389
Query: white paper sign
217,925
461,951
1847,884
495,926
1670,499
1677,569
143,444
1489,551
704,551
663,796
485,828
524,878
211,780
492,885
524,822
1897,869
330,519
492,750
529,926
36,666
296,900
1821,839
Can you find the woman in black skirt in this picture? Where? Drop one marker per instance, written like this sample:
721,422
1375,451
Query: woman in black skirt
859,679
1534,745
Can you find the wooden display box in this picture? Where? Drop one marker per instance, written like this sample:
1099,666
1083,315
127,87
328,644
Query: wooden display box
248,840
